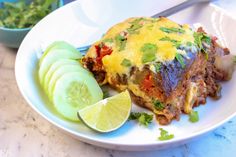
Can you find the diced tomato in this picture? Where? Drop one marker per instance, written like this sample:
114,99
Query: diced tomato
147,83
148,86
102,50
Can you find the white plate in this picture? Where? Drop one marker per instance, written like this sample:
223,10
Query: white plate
81,23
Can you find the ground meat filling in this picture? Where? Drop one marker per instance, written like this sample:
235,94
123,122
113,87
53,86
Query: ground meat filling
173,82
97,70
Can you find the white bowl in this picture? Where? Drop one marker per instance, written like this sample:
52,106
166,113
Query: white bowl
83,22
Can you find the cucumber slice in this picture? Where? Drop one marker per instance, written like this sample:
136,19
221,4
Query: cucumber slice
74,91
54,67
58,45
60,72
54,56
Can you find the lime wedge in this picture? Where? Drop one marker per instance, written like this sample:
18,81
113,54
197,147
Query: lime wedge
108,114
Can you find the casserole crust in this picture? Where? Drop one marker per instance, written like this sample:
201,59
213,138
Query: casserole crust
167,67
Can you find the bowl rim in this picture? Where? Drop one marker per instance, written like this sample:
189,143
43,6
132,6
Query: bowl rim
109,144
16,29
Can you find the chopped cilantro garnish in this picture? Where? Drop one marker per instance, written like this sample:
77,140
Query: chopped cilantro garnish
157,67
200,37
149,52
172,30
158,105
143,118
121,42
180,59
206,39
108,40
135,26
122,45
175,42
167,39
189,43
193,116
119,38
126,63
164,135
136,21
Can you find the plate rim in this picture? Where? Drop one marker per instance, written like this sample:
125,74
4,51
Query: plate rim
107,143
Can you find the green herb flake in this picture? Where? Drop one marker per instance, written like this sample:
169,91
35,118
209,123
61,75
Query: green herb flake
135,26
175,42
121,42
180,59
122,45
165,39
164,135
206,39
143,118
200,37
136,21
108,40
157,67
172,30
193,116
158,105
189,43
149,52
126,63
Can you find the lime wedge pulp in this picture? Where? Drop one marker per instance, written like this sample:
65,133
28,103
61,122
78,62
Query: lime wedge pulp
108,114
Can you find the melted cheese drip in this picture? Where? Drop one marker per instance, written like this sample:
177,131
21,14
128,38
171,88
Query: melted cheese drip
149,33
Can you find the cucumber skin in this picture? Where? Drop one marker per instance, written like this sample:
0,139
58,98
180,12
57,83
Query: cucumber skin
69,52
55,67
52,57
58,45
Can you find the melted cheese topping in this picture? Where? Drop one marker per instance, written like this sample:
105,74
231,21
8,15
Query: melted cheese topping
149,32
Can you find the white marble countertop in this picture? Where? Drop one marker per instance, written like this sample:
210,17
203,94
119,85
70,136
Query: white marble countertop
24,133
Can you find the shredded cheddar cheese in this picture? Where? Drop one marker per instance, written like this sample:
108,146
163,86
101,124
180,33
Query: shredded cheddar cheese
134,33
